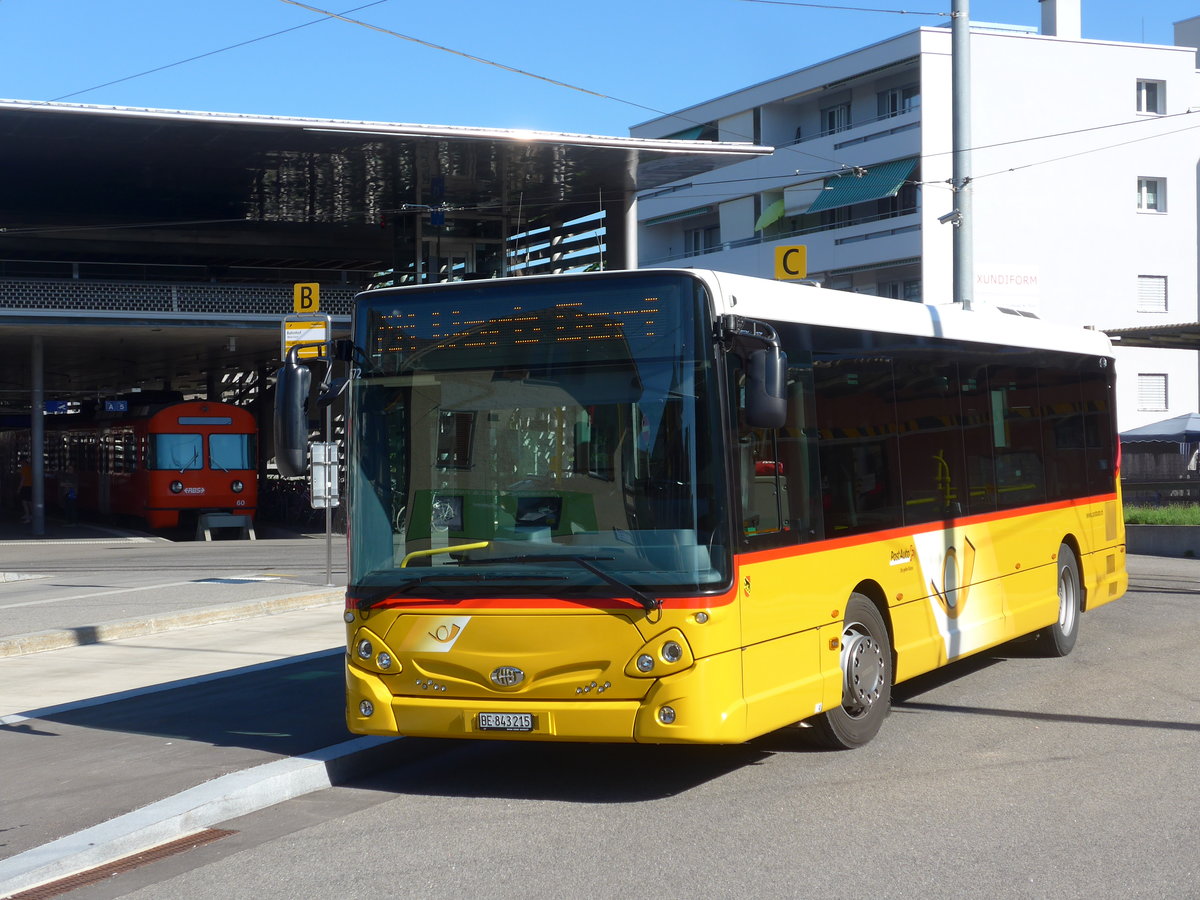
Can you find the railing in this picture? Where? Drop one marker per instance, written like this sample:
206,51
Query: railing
860,124
800,232
188,297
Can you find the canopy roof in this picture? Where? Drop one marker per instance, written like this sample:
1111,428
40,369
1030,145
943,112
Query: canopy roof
1183,429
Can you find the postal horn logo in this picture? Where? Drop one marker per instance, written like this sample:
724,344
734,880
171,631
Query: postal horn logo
437,635
956,582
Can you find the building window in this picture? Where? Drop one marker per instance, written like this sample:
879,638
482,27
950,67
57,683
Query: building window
1152,195
835,118
1152,393
1152,293
701,240
895,101
1151,97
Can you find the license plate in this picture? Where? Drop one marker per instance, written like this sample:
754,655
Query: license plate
505,722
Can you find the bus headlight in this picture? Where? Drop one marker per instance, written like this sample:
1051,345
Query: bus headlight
176,487
368,651
237,487
661,656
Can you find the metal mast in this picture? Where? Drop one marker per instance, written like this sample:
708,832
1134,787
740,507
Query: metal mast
960,74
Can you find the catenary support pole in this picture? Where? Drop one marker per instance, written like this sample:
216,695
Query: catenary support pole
37,437
960,74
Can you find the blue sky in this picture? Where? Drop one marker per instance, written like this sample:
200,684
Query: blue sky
648,56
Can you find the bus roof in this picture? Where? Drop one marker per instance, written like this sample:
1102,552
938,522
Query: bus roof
763,298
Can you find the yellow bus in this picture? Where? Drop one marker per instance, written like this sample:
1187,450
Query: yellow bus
686,506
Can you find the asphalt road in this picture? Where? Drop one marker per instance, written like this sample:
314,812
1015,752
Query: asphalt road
91,576
1004,776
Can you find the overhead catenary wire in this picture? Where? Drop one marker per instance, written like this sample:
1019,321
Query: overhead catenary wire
517,71
209,53
842,166
866,9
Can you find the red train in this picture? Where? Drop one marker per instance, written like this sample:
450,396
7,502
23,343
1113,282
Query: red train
162,463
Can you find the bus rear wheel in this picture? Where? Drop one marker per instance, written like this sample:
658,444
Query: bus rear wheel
866,660
1059,639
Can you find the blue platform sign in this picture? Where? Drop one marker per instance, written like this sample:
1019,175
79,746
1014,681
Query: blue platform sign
116,406
53,407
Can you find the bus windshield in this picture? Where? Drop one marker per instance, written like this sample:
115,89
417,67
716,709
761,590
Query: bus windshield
536,438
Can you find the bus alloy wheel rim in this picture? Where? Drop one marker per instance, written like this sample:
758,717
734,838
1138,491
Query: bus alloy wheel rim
863,668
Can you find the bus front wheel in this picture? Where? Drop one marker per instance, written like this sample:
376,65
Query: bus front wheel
866,661
1059,639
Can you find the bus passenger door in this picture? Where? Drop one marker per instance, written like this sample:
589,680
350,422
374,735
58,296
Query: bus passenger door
782,603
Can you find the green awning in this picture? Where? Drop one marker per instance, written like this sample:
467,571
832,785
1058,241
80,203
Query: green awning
772,214
882,180
688,134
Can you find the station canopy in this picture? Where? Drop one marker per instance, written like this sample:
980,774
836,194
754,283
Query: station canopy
100,196
1185,336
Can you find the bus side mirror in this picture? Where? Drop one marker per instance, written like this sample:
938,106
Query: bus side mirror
292,385
766,388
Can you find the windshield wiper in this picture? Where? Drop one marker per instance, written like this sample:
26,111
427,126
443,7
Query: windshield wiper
195,456
384,594
647,602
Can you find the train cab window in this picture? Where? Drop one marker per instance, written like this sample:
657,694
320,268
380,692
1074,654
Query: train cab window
176,451
231,451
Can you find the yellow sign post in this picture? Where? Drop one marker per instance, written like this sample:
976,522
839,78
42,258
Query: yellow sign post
791,262
306,298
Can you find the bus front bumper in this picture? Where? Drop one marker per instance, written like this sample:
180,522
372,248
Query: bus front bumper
700,705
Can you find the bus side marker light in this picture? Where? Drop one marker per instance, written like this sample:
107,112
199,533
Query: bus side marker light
835,643
836,614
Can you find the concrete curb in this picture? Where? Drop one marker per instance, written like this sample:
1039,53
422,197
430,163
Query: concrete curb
219,800
38,641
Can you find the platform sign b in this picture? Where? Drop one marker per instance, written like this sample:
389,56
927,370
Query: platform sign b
306,298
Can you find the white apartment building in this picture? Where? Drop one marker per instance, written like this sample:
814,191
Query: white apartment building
1084,162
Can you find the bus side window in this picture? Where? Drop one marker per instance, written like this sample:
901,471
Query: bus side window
931,439
1017,436
856,413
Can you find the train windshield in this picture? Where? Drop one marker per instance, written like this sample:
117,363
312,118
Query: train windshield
231,451
176,451
537,438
